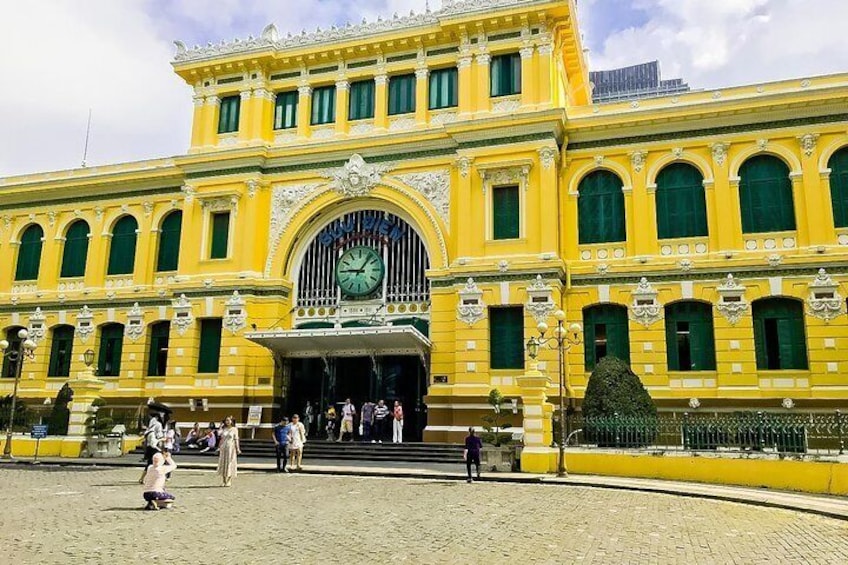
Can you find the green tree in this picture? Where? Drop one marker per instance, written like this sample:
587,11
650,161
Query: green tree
495,422
98,424
60,413
21,418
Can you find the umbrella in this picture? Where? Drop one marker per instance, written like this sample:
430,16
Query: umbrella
159,407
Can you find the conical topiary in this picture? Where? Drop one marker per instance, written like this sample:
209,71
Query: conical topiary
614,389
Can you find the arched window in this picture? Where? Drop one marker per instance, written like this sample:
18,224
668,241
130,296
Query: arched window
111,344
838,165
157,356
765,195
75,254
681,203
122,250
689,336
29,255
60,351
606,333
779,336
169,242
600,208
10,366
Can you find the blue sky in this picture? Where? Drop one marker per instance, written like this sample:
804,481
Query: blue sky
114,57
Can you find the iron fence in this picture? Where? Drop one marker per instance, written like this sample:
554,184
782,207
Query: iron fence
821,433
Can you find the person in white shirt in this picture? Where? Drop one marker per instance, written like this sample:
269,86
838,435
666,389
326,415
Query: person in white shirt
297,437
348,413
153,435
154,481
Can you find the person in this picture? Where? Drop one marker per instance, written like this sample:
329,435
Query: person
308,418
228,451
170,441
281,444
209,441
297,437
348,414
154,481
331,423
471,453
193,436
153,435
397,423
381,416
367,420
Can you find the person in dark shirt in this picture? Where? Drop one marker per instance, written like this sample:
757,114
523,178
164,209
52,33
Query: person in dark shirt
281,444
473,444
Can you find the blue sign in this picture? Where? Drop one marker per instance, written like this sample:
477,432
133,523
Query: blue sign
39,431
372,227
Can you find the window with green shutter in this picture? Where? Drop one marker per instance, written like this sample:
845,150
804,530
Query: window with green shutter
169,242
220,235
60,352
401,94
361,104
9,366
600,208
506,75
75,252
285,110
506,337
838,165
779,335
157,355
506,214
606,333
689,336
29,253
681,202
444,88
122,247
765,195
111,344
228,118
324,105
210,345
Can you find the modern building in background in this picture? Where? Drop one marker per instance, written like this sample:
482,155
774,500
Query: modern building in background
388,210
637,81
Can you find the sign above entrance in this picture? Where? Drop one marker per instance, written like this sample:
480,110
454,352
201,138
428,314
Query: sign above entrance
381,228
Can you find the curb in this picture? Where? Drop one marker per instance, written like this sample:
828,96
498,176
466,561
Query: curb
424,475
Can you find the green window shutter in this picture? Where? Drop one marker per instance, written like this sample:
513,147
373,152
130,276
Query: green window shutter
671,319
210,345
220,235
444,92
505,212
285,110
600,208
506,337
75,252
228,119
760,341
838,165
765,195
111,344
324,105
29,254
681,202
61,351
157,355
169,242
699,317
122,248
614,318
361,104
401,94
505,75
9,367
618,334
786,316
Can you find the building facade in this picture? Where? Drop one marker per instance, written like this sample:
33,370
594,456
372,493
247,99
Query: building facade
388,210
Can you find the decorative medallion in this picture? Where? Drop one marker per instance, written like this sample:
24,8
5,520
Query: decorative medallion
135,323
719,151
548,157
637,160
435,187
471,307
85,325
645,309
694,403
808,143
540,302
182,314
356,178
464,165
825,301
37,325
732,304
235,313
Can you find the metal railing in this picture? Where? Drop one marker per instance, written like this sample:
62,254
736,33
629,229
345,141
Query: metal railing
821,433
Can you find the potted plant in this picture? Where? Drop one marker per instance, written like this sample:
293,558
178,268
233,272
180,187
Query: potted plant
98,428
497,453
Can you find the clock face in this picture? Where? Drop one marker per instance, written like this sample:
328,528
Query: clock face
360,271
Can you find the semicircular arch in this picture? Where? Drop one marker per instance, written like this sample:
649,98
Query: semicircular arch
788,157
607,165
685,158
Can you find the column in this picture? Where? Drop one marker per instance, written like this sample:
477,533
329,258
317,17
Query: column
421,99
245,116
537,455
644,219
466,90
197,121
86,389
304,111
713,229
726,195
381,101
146,239
528,86
545,71
342,103
263,115
819,207
548,194
210,121
570,236
630,220
483,91
803,225
463,209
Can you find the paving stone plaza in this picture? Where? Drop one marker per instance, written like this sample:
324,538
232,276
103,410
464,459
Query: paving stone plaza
91,515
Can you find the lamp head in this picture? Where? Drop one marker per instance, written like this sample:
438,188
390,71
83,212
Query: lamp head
559,315
29,345
542,327
575,328
533,348
23,334
88,357
4,345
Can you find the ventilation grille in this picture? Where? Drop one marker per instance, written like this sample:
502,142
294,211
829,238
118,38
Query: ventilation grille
360,64
442,51
230,80
281,76
504,36
406,57
323,70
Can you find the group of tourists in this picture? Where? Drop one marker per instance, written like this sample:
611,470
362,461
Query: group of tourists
373,422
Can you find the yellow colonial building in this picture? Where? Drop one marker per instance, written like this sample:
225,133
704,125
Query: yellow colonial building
388,209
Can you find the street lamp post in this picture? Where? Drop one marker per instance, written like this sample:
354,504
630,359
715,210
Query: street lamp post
24,349
562,340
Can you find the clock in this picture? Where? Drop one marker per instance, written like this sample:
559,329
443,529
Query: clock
360,271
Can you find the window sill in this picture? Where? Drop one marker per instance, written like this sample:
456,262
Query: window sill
217,260
507,95
506,241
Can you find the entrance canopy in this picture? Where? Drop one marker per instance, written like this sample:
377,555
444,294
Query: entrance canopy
344,342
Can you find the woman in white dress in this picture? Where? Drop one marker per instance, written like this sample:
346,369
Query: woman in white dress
297,437
228,450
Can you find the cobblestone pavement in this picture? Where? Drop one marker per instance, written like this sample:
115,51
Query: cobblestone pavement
90,515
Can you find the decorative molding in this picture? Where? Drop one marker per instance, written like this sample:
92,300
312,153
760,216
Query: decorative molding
645,308
221,204
825,301
506,106
189,192
284,202
548,157
539,299
356,178
85,324
148,209
435,187
360,128
719,152
135,323
463,164
252,187
808,143
235,313
37,325
637,160
443,118
732,304
471,307
182,314
402,124
508,174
